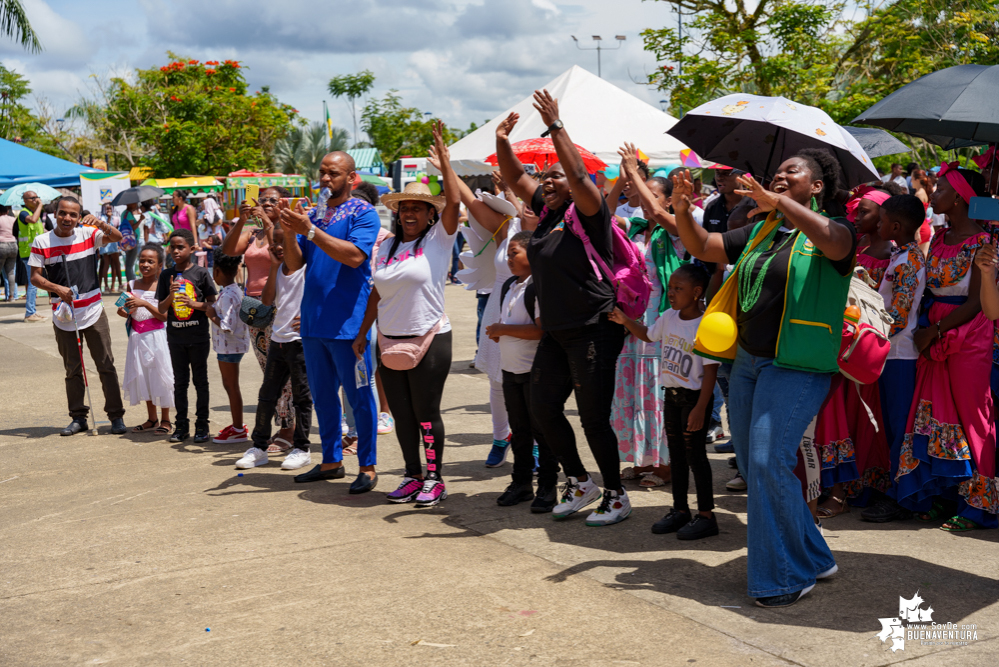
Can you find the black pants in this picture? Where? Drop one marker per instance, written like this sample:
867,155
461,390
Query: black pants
284,361
583,361
688,451
525,431
190,360
415,399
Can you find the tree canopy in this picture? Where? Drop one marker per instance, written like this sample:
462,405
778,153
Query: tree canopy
187,117
14,23
397,130
20,124
352,86
303,149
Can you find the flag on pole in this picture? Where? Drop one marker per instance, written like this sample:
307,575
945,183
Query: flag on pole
329,121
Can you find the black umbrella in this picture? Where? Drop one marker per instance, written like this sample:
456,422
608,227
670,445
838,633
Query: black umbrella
136,195
953,107
875,142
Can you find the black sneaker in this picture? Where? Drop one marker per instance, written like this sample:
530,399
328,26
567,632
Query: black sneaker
699,526
118,426
732,463
785,600
180,434
201,435
885,510
544,500
515,493
671,523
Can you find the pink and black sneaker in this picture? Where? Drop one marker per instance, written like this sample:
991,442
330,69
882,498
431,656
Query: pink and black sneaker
433,493
407,491
232,434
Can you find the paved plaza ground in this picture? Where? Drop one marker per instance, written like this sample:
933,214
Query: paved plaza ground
126,550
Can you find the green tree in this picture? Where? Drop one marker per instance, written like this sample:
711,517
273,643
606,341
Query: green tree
20,124
352,86
396,130
188,117
14,24
302,150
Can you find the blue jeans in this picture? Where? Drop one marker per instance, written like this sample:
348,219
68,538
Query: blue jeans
480,308
330,364
721,393
769,410
32,291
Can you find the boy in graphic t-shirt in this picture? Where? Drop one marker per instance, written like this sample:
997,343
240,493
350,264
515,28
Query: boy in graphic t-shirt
688,381
184,293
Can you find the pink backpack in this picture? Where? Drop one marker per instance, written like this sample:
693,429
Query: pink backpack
628,275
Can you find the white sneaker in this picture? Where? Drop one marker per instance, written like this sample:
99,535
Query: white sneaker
386,424
614,509
575,496
253,457
828,573
296,459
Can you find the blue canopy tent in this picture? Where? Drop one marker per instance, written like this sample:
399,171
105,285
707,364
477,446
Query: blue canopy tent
20,164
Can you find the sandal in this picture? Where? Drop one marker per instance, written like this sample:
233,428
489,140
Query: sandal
650,480
936,512
164,428
826,513
349,446
275,448
958,524
629,473
147,425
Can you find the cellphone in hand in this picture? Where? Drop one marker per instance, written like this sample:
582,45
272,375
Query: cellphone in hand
253,194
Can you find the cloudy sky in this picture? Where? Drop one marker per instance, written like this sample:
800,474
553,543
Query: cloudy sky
461,60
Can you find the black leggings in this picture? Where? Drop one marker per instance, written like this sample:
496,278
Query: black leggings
415,399
584,361
688,451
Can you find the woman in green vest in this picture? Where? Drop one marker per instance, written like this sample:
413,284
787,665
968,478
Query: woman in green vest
792,276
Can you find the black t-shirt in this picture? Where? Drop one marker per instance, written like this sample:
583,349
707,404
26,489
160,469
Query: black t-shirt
194,329
759,327
716,220
570,294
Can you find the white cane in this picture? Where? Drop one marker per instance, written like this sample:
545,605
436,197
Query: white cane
79,343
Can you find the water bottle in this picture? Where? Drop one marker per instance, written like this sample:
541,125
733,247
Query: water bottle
360,374
324,195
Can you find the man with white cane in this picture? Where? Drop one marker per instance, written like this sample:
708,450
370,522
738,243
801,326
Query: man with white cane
64,262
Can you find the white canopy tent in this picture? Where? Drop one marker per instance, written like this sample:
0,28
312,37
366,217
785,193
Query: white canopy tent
598,115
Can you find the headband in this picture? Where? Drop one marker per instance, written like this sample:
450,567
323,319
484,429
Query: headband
957,181
985,158
864,192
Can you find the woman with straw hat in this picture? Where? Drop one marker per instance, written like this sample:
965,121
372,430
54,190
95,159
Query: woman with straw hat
414,333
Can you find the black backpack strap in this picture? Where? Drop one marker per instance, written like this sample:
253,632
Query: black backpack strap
506,289
530,297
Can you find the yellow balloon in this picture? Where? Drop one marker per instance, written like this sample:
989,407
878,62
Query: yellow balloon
717,332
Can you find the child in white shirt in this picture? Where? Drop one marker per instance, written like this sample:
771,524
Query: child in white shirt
688,381
230,340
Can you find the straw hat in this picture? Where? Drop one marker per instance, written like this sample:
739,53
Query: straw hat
415,191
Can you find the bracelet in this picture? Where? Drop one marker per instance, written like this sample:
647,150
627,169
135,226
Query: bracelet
939,332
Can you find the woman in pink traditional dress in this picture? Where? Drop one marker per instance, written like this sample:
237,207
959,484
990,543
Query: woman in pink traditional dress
948,455
852,451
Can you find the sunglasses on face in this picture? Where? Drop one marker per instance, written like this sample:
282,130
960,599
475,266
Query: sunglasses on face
269,200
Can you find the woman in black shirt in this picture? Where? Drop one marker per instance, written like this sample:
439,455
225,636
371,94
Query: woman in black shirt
792,290
579,350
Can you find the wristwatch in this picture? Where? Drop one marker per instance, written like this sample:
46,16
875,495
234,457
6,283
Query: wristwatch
312,233
557,125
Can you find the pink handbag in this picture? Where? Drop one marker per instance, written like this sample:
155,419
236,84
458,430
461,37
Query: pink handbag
405,354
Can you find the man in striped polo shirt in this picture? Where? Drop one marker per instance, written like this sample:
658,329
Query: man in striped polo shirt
78,241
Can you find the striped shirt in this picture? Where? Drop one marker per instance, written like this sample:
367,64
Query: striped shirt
80,270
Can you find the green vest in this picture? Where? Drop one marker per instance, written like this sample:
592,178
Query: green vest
814,301
26,233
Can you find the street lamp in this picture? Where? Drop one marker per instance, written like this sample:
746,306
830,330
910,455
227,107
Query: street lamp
599,48
663,104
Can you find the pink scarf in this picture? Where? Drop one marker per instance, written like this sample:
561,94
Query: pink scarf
864,192
957,181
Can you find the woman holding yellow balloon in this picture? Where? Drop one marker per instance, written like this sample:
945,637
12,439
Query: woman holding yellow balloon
778,317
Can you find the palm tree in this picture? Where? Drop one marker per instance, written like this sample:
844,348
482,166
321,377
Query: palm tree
14,24
303,149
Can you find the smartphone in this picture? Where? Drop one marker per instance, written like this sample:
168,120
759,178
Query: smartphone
294,201
253,194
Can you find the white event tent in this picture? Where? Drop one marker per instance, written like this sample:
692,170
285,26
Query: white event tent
598,115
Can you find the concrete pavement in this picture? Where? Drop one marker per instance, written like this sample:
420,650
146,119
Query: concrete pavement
125,550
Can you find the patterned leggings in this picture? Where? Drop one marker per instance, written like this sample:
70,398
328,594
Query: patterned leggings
284,413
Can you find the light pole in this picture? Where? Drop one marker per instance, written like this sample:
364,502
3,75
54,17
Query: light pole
663,104
598,39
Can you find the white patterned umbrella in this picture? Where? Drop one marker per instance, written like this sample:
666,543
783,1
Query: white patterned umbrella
756,134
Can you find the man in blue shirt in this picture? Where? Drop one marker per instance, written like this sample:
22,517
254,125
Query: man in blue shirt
335,248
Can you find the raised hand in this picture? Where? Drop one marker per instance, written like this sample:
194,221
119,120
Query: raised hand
506,126
629,161
294,221
546,105
683,190
766,200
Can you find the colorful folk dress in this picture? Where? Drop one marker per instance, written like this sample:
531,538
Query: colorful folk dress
950,443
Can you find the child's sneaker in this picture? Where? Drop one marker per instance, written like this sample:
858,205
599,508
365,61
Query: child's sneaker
575,496
253,457
497,455
433,492
614,509
231,434
386,424
297,458
407,491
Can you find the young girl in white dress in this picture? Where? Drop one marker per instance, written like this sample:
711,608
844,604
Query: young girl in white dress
148,371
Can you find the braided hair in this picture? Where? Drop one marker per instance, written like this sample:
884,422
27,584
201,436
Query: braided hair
397,230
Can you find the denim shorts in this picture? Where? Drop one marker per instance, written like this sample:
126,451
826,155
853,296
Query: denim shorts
231,358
